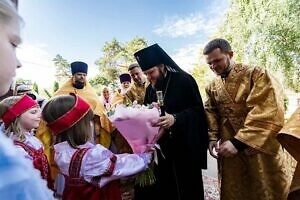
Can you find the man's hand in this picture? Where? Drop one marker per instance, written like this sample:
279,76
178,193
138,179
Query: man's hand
213,145
166,121
227,149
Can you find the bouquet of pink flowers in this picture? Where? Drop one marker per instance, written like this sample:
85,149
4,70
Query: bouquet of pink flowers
135,123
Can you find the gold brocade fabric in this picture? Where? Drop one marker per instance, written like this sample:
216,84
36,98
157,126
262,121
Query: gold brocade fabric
295,186
45,136
256,176
248,106
289,137
137,93
118,140
104,125
117,98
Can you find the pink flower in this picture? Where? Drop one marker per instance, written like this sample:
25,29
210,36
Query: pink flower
136,125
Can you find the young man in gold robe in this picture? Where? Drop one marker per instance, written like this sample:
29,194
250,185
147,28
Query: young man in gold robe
140,83
289,137
245,111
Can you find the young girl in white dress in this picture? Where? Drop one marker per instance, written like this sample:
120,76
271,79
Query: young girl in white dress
91,171
20,115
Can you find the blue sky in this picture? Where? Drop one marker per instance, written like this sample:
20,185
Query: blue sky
78,29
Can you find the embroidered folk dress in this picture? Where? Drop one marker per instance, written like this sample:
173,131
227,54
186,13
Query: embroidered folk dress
103,127
14,183
91,170
32,149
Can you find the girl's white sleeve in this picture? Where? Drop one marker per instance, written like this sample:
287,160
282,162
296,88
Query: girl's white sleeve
100,166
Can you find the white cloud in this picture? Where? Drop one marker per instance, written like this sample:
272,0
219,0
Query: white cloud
92,70
188,56
37,64
184,26
177,26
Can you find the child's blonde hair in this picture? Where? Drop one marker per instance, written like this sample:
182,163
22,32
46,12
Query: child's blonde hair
15,126
8,12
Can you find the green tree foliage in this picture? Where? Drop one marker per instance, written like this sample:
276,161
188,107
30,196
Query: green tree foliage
21,81
116,55
55,86
98,82
108,63
35,87
131,47
47,93
266,33
62,68
203,75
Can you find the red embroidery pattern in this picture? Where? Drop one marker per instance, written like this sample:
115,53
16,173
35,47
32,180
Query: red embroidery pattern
40,161
76,160
77,188
74,168
108,172
111,167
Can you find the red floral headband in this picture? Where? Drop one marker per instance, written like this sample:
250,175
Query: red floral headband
69,119
17,109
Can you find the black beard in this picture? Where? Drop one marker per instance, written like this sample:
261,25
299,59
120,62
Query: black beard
78,85
159,84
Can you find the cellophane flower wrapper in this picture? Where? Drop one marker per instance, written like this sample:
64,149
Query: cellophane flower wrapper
135,123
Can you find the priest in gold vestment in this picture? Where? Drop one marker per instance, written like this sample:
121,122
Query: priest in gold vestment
136,92
245,111
77,84
289,137
138,88
119,96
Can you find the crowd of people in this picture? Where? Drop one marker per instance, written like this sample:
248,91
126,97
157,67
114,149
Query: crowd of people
66,147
